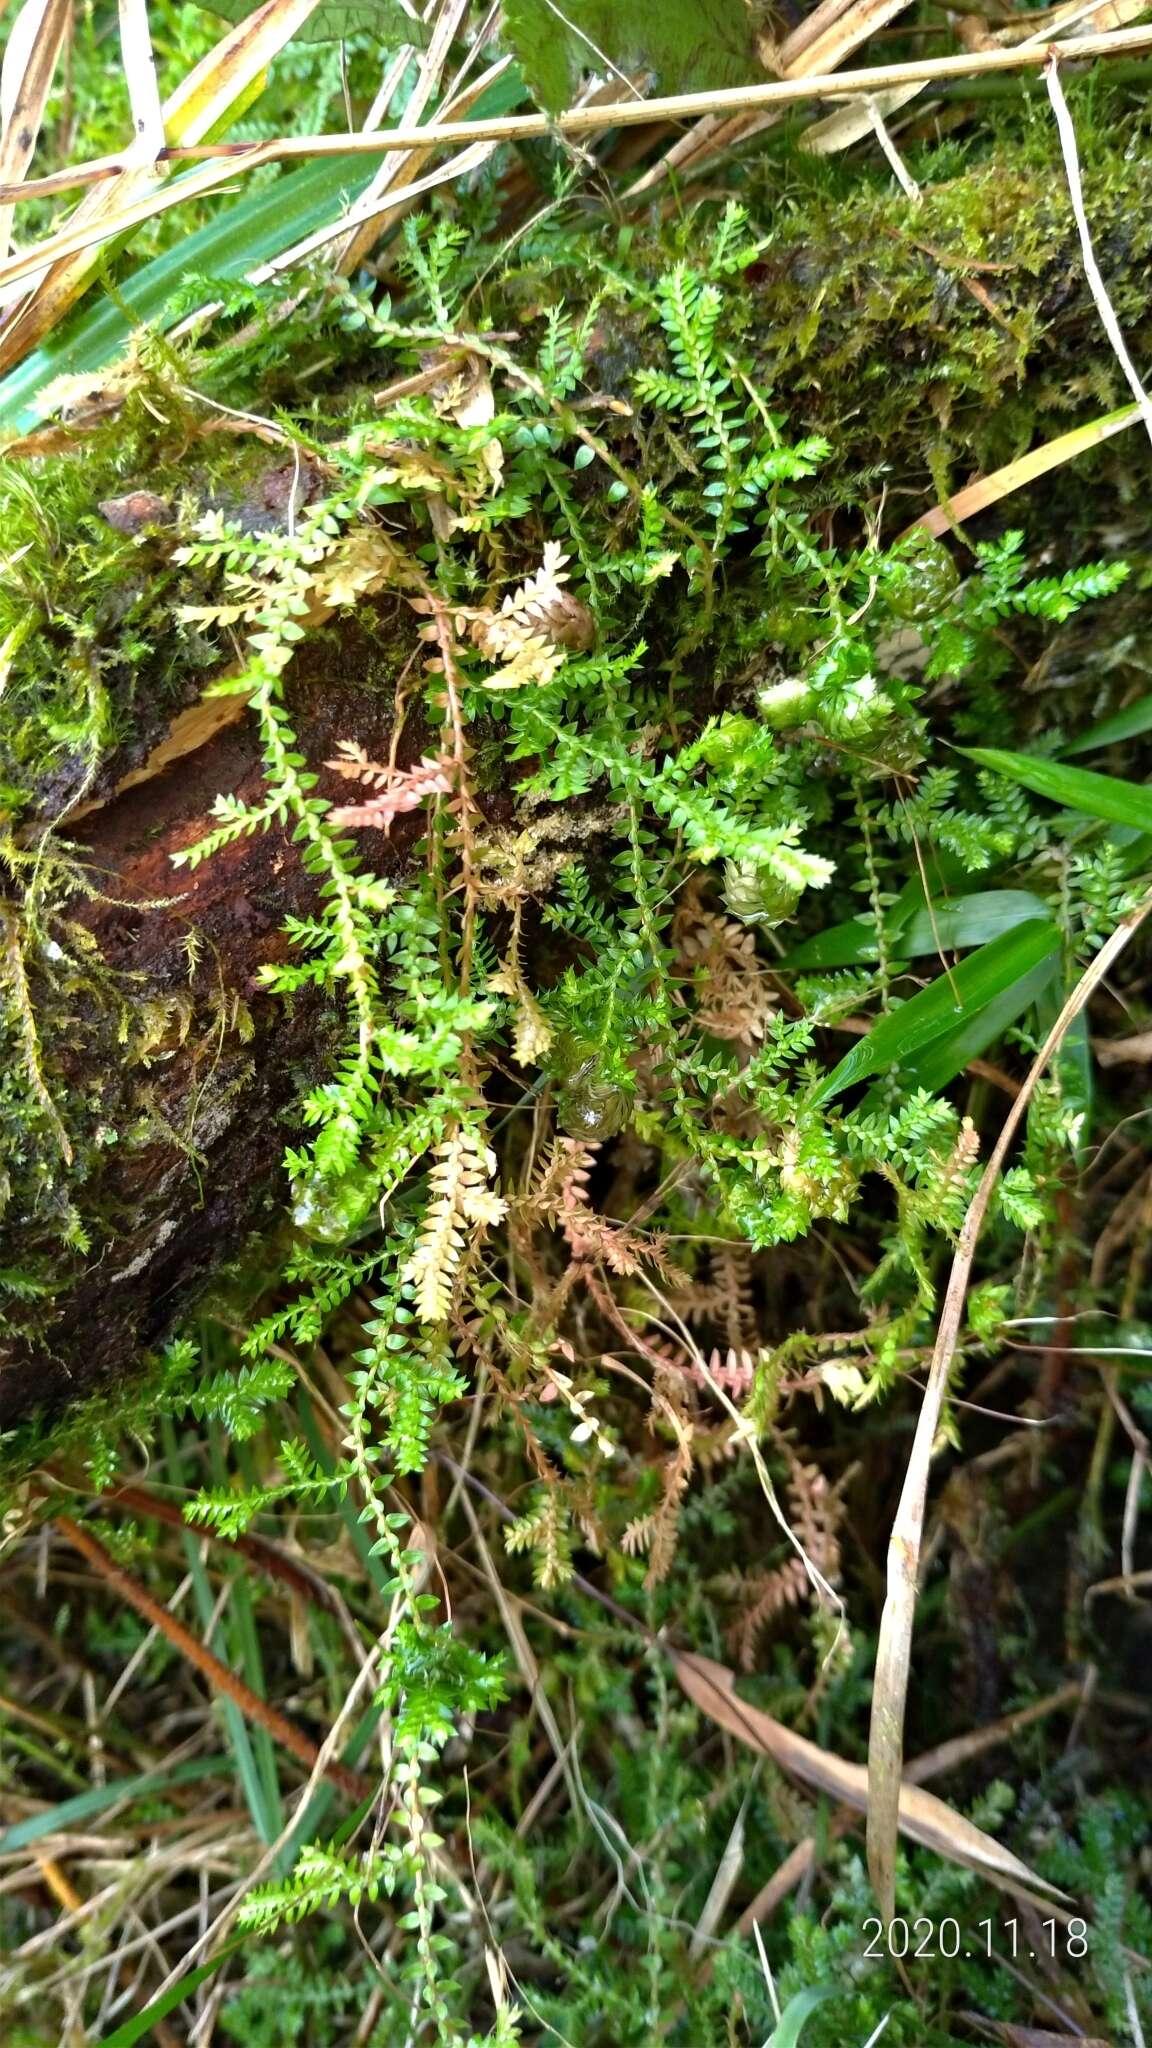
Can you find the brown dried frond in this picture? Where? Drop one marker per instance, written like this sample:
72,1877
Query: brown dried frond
656,1533
461,1197
397,789
733,1371
562,1180
560,1195
533,1034
732,1267
965,1152
815,1512
733,1000
725,1298
768,1594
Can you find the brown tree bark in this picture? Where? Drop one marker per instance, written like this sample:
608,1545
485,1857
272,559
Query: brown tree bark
195,1171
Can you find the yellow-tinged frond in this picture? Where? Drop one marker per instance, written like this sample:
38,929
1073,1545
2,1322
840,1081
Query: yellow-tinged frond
461,1196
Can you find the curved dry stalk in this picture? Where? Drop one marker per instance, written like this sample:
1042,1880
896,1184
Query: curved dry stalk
894,1651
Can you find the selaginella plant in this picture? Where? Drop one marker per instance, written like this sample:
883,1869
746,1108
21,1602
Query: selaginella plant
714,712
711,702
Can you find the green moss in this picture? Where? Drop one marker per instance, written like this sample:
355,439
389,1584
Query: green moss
912,347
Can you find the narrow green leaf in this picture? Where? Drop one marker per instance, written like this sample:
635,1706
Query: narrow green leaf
158,2008
239,239
945,1005
966,921
1080,789
948,1055
85,1806
797,2013
1123,725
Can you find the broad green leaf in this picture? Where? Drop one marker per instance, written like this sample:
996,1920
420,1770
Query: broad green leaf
839,945
1079,789
945,1005
946,1056
1123,725
165,2002
385,21
683,45
85,1806
245,235
966,921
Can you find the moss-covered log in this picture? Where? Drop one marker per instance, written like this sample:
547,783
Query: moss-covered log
198,1102
921,352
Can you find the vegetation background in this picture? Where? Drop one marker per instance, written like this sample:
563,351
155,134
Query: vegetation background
575,1186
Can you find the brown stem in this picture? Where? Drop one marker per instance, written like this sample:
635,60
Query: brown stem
465,808
266,1556
218,1675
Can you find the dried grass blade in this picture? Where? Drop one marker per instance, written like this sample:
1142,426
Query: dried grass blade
404,169
142,82
1096,285
920,1815
886,1790
30,61
868,80
203,99
210,91
395,202
850,124
1000,483
822,45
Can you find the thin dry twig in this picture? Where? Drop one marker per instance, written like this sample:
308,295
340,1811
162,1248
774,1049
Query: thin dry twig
590,120
1096,283
894,1651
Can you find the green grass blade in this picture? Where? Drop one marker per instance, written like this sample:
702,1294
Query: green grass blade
948,1055
241,237
264,1813
796,2015
86,1806
245,1644
945,1005
1123,725
361,1540
1079,789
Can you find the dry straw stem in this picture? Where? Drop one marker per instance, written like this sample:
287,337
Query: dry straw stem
894,1652
588,120
1000,483
30,60
202,100
1096,283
